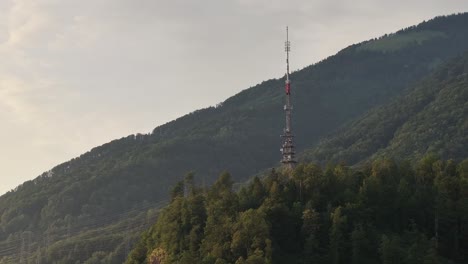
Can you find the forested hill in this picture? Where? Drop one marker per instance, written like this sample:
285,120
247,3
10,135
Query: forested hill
382,212
405,213
240,135
432,118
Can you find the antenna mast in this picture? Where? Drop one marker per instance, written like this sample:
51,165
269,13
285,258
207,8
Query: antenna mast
287,149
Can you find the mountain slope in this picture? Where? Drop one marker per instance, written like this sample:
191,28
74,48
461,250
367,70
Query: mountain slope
430,118
240,135
335,215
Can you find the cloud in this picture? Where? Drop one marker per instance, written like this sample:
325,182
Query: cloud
12,91
26,24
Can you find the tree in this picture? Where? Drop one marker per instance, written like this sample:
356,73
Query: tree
250,234
337,239
390,251
222,206
361,246
177,190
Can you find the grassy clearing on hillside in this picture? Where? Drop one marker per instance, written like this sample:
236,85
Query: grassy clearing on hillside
396,42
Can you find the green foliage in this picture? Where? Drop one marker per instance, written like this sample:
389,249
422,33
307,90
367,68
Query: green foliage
390,250
250,235
395,42
430,118
337,242
383,218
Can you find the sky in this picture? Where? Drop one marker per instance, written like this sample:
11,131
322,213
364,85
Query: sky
77,74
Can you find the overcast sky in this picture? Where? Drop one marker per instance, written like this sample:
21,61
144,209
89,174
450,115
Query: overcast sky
77,74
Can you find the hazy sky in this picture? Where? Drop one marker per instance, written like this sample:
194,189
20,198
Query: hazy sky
77,74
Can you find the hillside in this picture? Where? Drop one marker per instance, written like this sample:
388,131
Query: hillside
240,135
384,213
430,118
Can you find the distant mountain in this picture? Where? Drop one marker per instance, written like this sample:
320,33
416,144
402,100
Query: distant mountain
114,181
431,118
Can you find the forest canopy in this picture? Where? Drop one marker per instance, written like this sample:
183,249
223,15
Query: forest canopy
384,212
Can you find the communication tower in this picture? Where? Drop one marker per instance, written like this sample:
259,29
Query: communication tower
287,149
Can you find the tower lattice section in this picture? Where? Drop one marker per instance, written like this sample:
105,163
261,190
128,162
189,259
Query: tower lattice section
287,149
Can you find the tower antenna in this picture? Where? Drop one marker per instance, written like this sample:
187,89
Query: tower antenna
287,149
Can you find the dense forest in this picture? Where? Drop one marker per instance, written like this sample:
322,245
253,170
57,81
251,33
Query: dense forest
431,117
384,212
92,208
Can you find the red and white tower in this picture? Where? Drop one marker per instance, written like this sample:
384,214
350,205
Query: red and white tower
287,148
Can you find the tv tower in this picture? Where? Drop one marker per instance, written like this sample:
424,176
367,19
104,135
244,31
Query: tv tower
287,148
